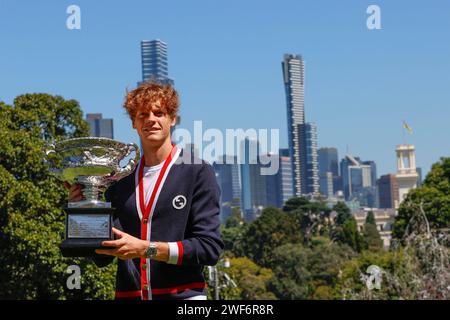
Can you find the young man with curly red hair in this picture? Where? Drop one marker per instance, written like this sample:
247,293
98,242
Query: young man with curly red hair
167,221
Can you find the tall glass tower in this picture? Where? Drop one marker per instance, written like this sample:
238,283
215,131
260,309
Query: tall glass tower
253,184
302,136
154,61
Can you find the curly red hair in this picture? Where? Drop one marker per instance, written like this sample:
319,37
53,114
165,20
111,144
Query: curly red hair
147,94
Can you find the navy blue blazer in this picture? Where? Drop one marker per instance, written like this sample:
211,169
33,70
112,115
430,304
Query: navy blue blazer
185,214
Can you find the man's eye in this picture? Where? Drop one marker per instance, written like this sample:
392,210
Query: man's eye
159,114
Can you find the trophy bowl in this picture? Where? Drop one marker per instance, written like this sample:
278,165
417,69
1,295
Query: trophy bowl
94,163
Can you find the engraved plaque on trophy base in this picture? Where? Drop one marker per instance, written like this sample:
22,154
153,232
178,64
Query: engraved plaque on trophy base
86,228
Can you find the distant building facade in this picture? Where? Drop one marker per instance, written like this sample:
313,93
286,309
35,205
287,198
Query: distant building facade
388,191
406,175
99,127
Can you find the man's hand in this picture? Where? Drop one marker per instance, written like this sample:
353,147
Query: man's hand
75,193
129,247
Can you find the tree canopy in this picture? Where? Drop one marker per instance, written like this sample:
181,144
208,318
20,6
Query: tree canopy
433,196
31,202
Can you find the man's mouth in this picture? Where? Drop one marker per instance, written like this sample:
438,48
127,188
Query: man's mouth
149,129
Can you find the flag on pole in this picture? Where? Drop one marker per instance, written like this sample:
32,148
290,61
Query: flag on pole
407,127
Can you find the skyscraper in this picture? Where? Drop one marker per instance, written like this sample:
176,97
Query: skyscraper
155,66
154,61
100,127
312,164
302,137
326,184
373,171
388,191
227,178
328,160
279,185
285,176
253,184
355,175
328,170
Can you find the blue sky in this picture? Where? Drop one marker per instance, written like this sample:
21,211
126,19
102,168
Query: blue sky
225,58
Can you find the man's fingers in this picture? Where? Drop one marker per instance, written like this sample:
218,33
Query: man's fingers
113,243
75,193
76,196
118,233
75,187
109,252
76,199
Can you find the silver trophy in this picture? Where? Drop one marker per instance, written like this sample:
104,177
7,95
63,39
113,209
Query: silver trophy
94,163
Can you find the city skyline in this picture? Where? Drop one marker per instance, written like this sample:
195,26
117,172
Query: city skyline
361,84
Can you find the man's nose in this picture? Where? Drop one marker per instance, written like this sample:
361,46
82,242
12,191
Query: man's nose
151,117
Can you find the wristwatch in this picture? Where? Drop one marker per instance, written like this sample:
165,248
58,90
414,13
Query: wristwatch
151,250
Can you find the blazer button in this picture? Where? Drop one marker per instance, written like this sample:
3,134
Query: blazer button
145,221
145,287
144,266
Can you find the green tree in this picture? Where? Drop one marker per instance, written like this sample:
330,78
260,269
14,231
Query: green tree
31,218
433,196
348,234
370,233
251,281
345,229
291,274
233,233
235,220
272,229
313,216
325,262
296,203
343,213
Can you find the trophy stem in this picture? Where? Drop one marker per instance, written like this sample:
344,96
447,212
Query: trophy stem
93,189
91,192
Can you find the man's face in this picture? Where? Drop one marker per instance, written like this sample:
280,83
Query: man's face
153,124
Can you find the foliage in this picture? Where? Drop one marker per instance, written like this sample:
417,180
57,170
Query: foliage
251,280
308,272
347,233
232,233
371,235
272,229
31,219
313,217
343,213
291,274
434,195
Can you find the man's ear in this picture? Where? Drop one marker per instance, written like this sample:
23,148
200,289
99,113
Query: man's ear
134,126
174,121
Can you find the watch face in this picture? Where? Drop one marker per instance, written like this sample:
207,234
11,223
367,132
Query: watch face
151,251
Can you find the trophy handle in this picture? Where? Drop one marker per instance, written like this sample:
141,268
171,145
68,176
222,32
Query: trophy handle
50,149
123,172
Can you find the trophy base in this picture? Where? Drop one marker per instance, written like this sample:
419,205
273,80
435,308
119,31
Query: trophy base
86,229
81,247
